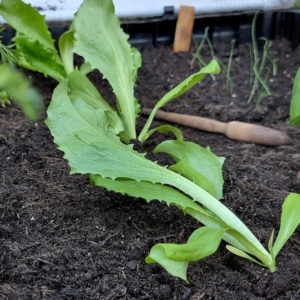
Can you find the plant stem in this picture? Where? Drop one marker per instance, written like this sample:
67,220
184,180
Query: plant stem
229,67
199,48
240,231
255,57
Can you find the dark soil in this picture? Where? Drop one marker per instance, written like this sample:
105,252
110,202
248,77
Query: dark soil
61,238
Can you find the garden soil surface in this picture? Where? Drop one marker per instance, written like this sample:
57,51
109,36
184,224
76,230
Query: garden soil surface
62,238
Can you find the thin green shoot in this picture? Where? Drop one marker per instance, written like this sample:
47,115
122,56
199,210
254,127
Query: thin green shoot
229,67
258,66
213,55
199,48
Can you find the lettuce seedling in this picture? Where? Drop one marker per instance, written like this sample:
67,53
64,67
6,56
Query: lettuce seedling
95,138
15,86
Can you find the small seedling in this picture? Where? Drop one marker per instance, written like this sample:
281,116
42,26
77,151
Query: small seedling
227,68
259,73
95,138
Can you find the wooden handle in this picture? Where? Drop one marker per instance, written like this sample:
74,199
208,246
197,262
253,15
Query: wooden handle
235,130
205,124
184,29
255,134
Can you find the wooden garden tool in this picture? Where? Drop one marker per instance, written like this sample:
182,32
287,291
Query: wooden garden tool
235,130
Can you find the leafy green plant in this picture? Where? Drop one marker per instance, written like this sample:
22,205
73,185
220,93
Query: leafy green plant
95,138
259,73
295,103
14,86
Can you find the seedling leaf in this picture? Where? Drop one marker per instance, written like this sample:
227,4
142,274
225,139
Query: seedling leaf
158,192
243,254
35,56
66,44
101,41
290,219
91,146
196,163
164,128
185,85
82,88
28,21
175,258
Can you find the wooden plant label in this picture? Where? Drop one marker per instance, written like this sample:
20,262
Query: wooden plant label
184,29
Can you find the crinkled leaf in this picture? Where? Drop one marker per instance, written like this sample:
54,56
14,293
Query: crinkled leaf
137,62
196,163
66,43
158,192
290,219
101,41
170,196
18,88
35,56
295,103
185,85
175,258
82,132
27,20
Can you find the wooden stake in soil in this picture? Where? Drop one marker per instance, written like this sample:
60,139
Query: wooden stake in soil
184,29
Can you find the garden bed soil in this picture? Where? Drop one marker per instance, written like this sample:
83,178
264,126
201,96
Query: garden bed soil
62,238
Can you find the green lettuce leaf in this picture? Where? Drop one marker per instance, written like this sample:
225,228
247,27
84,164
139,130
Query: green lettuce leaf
165,128
33,55
81,88
27,20
35,46
82,132
66,44
18,89
212,68
175,258
158,192
290,220
101,41
196,163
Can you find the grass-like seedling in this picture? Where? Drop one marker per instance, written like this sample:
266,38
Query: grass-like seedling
259,73
95,138
227,68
